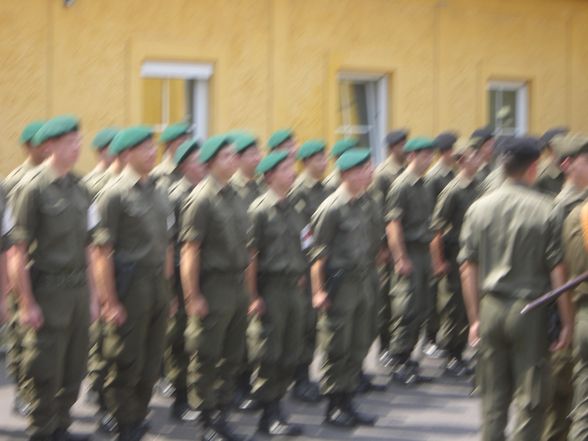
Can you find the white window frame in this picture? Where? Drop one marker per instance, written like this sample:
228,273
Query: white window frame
377,107
199,74
522,102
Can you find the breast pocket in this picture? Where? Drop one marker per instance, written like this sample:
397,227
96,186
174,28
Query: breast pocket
55,218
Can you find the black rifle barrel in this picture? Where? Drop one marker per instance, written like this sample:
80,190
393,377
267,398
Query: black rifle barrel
553,294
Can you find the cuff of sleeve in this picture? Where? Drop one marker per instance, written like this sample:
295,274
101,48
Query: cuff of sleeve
394,214
190,235
102,237
19,235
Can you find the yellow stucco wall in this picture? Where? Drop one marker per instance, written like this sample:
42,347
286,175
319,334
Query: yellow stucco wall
276,61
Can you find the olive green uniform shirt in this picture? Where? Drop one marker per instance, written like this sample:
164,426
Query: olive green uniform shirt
342,233
411,203
384,177
307,194
494,180
277,235
332,181
7,221
248,189
567,199
576,257
53,213
178,193
96,181
512,235
451,208
216,218
136,219
437,177
20,176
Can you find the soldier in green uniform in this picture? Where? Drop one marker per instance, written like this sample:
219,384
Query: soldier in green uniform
134,257
283,140
485,139
333,180
341,283
447,220
436,178
35,155
176,358
95,178
172,137
278,278
572,152
510,254
384,176
307,193
550,177
53,212
575,237
409,206
246,184
214,228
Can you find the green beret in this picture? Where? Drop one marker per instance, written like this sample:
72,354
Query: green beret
129,138
278,137
30,130
311,148
270,162
212,146
352,158
174,131
343,145
419,143
104,137
184,150
56,127
243,141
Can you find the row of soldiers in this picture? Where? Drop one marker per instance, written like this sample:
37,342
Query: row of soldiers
176,258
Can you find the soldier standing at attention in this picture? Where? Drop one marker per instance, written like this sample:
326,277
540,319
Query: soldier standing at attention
134,258
96,178
307,193
550,177
384,177
575,237
35,155
409,207
437,177
214,229
572,152
52,211
176,358
485,139
511,254
278,278
333,180
341,283
172,137
448,215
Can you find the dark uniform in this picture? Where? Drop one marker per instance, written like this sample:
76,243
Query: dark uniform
512,236
137,222
248,189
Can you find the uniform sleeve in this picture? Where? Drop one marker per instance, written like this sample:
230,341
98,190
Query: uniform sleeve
108,205
444,208
395,203
193,220
324,227
26,216
469,239
255,230
554,250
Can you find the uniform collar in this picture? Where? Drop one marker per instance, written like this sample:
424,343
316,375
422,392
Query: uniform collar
240,180
412,178
308,180
464,181
274,199
441,168
132,177
392,164
167,165
215,185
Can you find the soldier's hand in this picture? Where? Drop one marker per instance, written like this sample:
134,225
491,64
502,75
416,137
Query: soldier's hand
31,316
114,312
441,269
403,267
257,307
320,300
197,307
564,339
474,334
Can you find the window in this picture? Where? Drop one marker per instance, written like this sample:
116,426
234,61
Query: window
508,107
174,92
363,110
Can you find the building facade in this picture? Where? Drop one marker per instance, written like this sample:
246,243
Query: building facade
324,67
